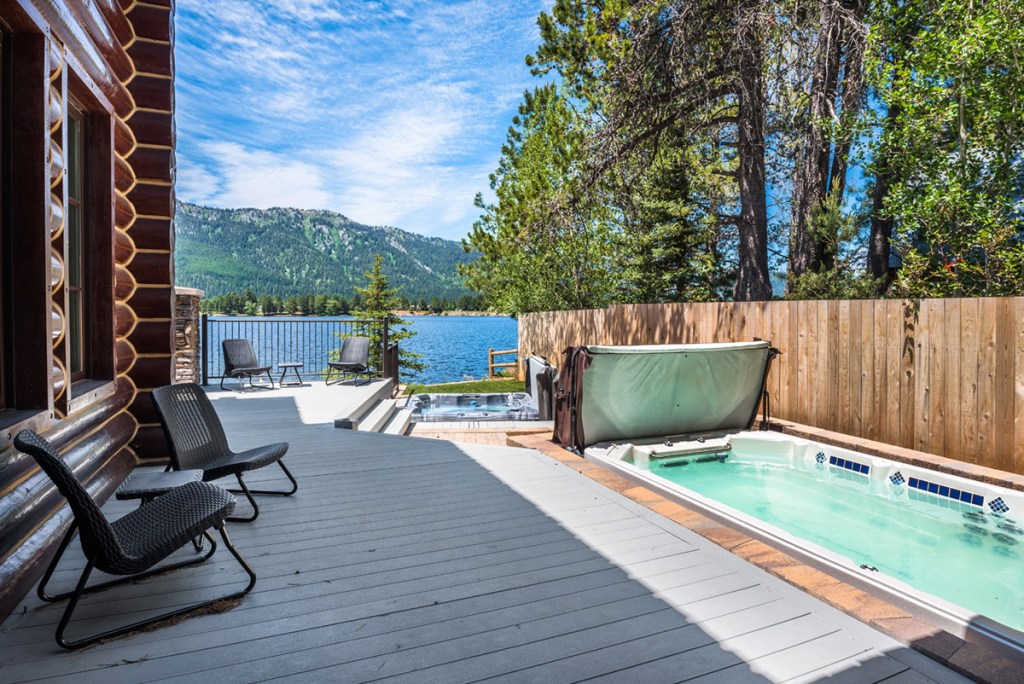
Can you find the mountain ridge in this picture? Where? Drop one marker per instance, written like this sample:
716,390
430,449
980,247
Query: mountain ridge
285,251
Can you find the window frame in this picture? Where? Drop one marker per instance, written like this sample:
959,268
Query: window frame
25,297
75,261
98,372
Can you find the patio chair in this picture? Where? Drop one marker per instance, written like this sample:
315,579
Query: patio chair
197,441
353,359
240,362
134,544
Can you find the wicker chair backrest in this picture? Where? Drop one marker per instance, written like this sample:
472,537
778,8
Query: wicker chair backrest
355,351
192,426
97,536
238,354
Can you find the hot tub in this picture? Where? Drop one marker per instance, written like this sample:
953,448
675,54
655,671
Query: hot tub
945,547
475,407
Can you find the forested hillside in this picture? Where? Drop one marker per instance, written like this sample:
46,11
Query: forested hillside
287,252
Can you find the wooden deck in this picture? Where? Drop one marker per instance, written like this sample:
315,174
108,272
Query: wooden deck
420,560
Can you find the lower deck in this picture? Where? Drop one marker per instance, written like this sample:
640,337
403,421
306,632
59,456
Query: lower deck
408,559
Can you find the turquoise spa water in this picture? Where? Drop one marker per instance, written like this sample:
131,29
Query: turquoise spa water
951,550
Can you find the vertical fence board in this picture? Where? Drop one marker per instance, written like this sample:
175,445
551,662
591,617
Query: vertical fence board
1004,390
921,361
830,405
970,324
908,378
856,365
893,351
868,402
935,386
1018,402
806,323
879,376
787,365
949,355
843,369
773,331
986,377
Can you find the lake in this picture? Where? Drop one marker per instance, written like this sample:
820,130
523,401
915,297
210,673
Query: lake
455,347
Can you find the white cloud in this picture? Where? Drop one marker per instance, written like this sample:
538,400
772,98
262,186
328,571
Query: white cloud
260,179
389,112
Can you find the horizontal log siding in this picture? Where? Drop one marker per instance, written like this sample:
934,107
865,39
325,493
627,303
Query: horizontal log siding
123,53
941,376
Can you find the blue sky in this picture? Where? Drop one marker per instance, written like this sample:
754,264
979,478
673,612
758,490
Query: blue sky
392,113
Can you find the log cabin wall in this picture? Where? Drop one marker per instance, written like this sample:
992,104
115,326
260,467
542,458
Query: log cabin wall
87,209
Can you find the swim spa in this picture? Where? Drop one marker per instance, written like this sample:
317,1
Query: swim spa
947,548
428,408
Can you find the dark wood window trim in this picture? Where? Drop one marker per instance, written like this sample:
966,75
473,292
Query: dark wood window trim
96,378
75,264
24,176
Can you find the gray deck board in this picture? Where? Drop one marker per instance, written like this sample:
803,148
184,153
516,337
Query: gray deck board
406,559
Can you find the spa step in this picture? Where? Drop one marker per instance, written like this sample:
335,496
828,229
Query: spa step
400,422
377,418
350,418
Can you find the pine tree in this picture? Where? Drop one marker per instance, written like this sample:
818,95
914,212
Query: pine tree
378,300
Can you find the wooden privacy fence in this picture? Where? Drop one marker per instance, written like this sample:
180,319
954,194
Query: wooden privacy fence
944,376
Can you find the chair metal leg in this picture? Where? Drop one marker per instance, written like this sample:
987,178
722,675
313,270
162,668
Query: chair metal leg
271,492
80,590
41,591
248,495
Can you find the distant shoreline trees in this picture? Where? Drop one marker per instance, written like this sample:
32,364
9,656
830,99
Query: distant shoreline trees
248,303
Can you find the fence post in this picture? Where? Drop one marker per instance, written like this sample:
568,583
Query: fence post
490,363
384,355
204,345
395,370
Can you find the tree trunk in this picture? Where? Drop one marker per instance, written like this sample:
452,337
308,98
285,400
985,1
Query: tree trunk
752,281
879,241
855,39
808,252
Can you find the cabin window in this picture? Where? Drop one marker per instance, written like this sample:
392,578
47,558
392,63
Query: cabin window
89,246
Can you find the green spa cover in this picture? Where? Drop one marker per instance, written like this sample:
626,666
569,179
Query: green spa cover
655,390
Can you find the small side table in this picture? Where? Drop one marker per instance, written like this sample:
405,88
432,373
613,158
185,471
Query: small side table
149,485
295,366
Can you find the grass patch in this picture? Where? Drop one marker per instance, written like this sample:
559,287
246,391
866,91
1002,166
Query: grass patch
473,387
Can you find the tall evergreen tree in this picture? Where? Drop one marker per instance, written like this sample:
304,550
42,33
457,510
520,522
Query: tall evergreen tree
378,301
547,242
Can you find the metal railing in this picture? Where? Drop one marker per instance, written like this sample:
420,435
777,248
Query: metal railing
287,339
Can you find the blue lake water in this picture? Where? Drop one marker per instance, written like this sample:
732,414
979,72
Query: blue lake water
455,347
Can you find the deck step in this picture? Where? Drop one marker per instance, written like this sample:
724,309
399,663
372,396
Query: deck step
400,422
377,418
350,419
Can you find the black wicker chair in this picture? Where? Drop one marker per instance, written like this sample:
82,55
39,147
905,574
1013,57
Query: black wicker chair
354,358
132,545
240,362
197,440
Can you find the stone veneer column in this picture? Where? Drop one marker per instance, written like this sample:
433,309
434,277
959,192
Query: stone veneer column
186,335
